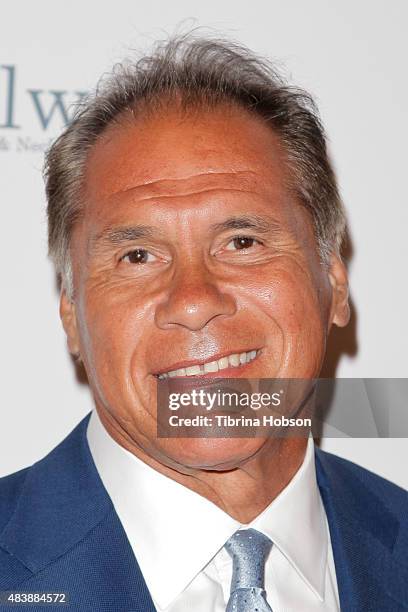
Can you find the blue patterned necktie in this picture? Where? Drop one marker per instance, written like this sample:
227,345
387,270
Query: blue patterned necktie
249,550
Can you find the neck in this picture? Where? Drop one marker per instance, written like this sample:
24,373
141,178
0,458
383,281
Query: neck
243,491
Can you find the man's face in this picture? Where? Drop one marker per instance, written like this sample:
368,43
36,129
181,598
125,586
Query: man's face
192,249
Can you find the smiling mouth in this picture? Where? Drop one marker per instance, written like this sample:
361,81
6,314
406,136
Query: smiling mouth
234,360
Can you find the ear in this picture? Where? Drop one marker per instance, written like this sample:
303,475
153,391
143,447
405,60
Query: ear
69,322
340,309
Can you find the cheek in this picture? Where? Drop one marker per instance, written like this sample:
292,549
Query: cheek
113,336
293,302
287,294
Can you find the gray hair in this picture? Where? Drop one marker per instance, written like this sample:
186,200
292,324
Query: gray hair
195,72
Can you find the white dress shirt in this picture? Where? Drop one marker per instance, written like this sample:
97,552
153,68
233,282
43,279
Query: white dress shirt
177,536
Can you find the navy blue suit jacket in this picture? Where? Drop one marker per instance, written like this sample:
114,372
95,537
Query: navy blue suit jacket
60,532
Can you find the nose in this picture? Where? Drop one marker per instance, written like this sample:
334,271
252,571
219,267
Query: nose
194,299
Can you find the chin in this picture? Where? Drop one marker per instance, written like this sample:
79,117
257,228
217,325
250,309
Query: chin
212,454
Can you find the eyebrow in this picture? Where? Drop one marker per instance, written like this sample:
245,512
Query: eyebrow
120,235
263,225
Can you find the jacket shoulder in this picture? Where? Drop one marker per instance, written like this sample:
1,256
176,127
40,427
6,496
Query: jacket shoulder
356,480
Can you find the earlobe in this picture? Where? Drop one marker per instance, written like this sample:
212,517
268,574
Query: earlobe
340,308
69,322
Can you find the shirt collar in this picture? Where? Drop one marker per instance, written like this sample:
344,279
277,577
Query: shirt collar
296,523
174,532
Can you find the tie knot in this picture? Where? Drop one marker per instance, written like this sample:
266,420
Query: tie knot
249,550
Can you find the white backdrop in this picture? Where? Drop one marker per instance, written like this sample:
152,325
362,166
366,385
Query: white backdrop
350,55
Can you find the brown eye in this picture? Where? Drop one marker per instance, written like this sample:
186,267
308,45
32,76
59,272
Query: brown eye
137,256
241,242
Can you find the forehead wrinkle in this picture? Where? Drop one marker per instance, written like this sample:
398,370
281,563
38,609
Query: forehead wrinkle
175,186
181,196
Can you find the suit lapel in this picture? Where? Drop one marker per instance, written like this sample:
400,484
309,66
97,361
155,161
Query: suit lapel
364,536
65,534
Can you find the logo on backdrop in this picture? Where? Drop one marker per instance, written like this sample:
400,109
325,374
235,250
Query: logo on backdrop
46,112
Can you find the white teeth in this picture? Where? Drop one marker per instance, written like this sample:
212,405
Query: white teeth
223,363
193,370
232,361
212,366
